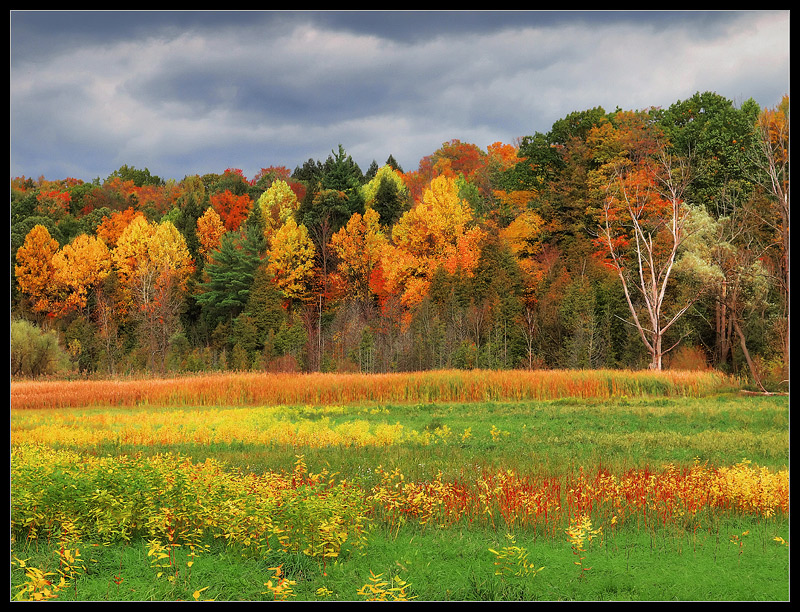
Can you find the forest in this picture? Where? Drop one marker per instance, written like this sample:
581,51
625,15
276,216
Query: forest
634,239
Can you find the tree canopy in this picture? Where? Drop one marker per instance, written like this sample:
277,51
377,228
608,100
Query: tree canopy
606,241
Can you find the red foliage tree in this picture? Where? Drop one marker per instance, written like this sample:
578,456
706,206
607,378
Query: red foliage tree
232,209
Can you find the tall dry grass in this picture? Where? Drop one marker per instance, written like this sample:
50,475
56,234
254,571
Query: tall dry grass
264,389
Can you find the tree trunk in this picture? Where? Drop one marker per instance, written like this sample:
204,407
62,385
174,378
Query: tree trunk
723,329
750,364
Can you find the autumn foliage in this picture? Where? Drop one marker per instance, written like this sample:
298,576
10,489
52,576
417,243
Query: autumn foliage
79,267
581,247
438,231
35,270
232,209
209,231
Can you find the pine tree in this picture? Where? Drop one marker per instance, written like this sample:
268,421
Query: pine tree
230,272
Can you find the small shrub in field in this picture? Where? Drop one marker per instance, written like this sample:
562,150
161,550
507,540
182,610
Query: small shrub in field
513,560
378,589
580,531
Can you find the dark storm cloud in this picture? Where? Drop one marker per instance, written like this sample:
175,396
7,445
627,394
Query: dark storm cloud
194,92
409,27
40,33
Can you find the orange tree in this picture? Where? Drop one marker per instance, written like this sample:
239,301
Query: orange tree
34,269
437,232
359,246
209,231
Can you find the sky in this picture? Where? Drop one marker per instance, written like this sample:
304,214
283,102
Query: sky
196,92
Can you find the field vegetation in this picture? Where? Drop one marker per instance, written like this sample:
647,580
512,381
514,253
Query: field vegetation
582,485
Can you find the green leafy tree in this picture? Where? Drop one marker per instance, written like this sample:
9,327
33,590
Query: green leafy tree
230,272
190,208
139,177
23,205
387,194
717,136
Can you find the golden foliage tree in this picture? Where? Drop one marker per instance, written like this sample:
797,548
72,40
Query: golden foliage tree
437,232
34,269
153,265
209,231
291,260
277,203
359,246
78,268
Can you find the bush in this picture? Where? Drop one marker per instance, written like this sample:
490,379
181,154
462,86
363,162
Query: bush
35,352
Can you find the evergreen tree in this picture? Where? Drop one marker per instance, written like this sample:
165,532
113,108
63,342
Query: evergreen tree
371,171
341,172
390,161
389,202
230,273
265,305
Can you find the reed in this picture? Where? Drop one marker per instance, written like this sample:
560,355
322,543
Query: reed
270,389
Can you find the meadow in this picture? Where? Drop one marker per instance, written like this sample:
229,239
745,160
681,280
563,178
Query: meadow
454,485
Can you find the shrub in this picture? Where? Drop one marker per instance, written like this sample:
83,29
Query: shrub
35,352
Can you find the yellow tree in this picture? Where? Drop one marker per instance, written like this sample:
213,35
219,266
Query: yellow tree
437,232
153,265
277,204
34,269
359,246
79,268
291,260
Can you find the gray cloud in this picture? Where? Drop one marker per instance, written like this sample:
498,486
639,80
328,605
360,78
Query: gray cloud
194,92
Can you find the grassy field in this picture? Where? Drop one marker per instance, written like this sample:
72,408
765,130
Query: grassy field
437,486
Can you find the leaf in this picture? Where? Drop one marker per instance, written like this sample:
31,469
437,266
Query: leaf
197,593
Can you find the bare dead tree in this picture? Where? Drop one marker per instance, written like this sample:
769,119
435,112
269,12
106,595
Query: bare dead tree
644,224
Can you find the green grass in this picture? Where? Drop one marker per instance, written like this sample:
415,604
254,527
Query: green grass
537,438
547,436
447,565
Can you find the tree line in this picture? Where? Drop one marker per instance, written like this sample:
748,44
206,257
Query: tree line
625,239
